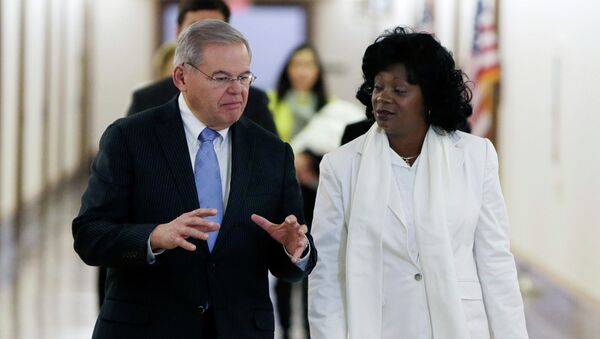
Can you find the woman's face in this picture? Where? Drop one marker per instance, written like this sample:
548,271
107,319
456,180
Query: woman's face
397,105
303,70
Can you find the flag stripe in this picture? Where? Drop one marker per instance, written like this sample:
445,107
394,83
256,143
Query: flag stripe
485,69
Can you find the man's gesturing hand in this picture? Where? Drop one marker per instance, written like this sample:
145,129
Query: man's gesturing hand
175,233
289,233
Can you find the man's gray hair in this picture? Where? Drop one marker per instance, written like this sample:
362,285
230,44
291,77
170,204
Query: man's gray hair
194,38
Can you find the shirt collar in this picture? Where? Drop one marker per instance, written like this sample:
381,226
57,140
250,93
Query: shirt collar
191,123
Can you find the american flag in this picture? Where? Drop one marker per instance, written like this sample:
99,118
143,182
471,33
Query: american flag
485,70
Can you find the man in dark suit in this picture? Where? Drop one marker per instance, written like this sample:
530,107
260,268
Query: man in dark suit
143,213
163,90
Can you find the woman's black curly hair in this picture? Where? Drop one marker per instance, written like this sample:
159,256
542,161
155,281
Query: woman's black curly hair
430,66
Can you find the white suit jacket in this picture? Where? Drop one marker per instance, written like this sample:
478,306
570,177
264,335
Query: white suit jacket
478,225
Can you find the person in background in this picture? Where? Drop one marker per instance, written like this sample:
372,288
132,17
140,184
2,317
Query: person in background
322,135
179,201
356,129
163,60
307,117
410,221
300,94
160,92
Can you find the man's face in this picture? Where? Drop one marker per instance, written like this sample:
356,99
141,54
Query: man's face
203,14
217,105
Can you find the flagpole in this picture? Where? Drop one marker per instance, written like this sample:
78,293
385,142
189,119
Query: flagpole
456,42
498,85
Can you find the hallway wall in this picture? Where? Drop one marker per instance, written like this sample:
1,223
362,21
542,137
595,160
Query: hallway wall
68,67
549,118
124,42
41,88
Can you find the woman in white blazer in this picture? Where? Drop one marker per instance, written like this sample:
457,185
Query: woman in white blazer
410,221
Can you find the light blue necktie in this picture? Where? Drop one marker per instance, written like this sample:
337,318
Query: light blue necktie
208,180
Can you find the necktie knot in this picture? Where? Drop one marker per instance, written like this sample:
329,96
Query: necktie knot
208,135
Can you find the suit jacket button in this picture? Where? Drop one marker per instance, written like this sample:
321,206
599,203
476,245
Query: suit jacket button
418,277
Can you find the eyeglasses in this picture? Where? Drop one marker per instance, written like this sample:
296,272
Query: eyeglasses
223,80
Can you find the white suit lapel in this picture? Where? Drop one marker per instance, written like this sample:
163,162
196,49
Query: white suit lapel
395,202
457,154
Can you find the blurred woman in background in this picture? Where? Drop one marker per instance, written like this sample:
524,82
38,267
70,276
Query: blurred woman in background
300,94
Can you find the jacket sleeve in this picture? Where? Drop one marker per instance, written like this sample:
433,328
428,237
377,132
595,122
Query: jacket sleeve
101,232
290,203
327,288
495,263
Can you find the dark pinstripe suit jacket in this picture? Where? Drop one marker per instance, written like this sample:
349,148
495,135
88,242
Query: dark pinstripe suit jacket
141,177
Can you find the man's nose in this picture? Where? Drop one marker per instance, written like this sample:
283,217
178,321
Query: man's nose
235,86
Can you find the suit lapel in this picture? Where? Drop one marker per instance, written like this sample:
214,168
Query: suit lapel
458,197
171,137
395,202
242,150
457,153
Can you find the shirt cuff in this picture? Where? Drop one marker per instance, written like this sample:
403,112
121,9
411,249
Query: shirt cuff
151,255
303,261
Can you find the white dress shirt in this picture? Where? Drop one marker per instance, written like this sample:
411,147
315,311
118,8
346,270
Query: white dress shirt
193,127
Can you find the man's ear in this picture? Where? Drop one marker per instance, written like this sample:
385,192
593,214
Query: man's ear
179,78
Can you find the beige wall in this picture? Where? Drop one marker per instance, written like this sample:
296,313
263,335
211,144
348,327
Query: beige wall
9,75
548,145
122,57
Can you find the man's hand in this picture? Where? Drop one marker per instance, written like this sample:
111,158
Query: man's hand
191,224
289,233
